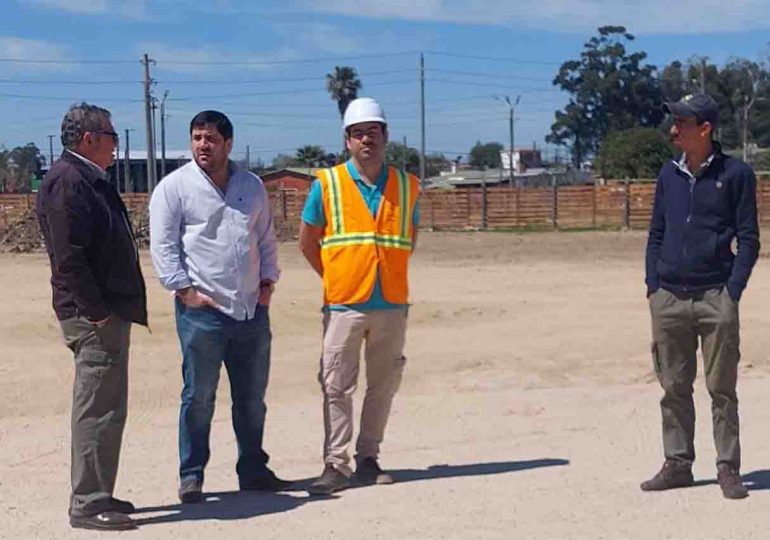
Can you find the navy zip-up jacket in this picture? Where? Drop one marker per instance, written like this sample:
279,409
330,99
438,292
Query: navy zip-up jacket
689,247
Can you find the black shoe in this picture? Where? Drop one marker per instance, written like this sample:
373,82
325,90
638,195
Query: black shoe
368,471
191,491
122,507
266,482
103,521
673,474
331,480
730,482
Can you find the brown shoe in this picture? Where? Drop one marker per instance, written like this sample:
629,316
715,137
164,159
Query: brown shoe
673,474
730,482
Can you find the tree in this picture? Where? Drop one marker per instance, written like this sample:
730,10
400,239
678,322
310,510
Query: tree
435,163
611,89
284,161
19,165
311,155
633,153
486,155
343,85
401,156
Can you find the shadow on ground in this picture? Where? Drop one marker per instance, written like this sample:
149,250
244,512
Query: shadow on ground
472,469
757,480
232,505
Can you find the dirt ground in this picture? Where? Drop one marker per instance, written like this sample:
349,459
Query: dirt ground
528,408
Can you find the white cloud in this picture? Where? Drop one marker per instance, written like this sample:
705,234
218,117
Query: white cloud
196,60
134,9
640,16
33,51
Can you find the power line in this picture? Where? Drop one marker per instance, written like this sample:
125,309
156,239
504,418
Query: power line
280,62
485,85
489,75
494,59
58,61
282,92
33,81
70,99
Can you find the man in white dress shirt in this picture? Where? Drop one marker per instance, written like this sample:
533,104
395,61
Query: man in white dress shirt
213,245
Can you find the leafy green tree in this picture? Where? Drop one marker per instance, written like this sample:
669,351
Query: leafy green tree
633,153
284,161
399,155
19,165
311,155
486,155
611,89
435,163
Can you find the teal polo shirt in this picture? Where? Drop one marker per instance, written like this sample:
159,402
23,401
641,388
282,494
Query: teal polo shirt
313,214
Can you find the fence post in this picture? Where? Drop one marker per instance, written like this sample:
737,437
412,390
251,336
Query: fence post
484,219
555,201
627,206
432,213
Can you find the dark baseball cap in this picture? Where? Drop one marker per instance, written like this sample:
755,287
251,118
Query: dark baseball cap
701,106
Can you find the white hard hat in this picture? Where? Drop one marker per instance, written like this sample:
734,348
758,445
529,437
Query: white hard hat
363,110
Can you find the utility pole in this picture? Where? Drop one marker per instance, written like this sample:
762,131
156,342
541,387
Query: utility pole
163,135
148,125
422,120
248,158
50,151
127,167
703,75
511,113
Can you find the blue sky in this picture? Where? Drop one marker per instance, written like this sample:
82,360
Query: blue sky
263,62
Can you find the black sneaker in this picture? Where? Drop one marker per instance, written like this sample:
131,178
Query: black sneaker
368,472
730,482
266,482
331,480
103,521
673,474
191,490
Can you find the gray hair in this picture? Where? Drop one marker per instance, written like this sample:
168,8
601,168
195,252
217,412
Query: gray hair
80,119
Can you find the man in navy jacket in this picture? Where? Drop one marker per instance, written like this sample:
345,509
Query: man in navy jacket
703,201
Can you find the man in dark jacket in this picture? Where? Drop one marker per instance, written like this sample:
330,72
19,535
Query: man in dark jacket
703,201
98,292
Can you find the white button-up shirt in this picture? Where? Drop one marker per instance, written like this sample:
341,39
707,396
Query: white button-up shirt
223,244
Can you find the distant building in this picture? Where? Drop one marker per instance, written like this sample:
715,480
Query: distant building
523,159
299,179
137,177
534,177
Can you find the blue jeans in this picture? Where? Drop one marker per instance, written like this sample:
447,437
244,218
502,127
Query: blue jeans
208,338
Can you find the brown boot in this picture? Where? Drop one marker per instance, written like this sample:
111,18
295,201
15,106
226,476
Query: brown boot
730,482
673,474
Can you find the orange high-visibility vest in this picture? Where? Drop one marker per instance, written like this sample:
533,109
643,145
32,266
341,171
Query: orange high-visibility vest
356,245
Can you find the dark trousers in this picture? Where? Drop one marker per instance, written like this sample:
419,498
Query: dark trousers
208,338
678,323
99,407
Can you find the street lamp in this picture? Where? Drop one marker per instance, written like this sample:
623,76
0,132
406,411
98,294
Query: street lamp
511,107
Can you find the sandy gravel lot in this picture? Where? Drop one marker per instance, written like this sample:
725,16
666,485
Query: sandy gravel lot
528,409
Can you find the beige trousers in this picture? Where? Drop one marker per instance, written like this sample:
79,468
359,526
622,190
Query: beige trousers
383,332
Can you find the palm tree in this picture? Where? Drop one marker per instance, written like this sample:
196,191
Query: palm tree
343,86
310,155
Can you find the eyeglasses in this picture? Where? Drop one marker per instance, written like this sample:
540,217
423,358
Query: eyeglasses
372,133
110,133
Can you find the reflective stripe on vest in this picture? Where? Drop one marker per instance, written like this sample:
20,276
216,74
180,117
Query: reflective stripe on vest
340,238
